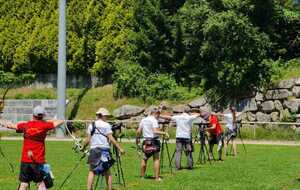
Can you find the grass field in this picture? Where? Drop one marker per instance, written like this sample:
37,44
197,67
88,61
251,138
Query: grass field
262,168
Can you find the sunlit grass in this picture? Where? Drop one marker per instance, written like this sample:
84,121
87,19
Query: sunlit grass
263,167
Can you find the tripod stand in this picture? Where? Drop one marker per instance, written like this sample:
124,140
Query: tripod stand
118,166
203,147
97,181
238,134
164,145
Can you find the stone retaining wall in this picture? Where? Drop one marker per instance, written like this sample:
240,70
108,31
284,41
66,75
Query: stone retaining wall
275,104
278,103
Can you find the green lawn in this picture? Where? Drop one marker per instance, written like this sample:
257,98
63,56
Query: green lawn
263,167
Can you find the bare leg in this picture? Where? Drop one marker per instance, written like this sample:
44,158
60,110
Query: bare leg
90,180
211,148
156,163
143,167
234,147
220,146
108,178
41,186
225,147
24,186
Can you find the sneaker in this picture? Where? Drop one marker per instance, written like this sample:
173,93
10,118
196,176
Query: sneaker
158,179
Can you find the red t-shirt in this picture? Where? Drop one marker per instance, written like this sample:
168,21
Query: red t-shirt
35,133
214,121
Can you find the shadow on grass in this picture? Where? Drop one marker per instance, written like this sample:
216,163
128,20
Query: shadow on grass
77,103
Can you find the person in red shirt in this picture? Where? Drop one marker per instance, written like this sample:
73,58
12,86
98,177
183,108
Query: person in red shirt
214,132
33,152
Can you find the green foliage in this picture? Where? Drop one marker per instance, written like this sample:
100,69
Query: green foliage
285,69
233,57
10,79
129,79
180,45
118,38
132,80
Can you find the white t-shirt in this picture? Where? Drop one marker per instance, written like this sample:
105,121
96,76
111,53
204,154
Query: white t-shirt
184,124
229,120
147,125
98,140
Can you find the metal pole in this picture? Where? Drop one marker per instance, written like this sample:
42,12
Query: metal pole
61,70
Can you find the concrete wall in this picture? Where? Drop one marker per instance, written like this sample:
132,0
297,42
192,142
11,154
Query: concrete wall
21,110
73,81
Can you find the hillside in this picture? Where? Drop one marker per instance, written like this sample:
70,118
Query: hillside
83,102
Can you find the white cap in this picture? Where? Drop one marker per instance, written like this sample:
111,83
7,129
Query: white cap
103,112
39,110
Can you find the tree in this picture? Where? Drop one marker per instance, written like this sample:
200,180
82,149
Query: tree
118,39
191,19
233,55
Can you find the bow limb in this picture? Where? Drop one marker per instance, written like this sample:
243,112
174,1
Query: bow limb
139,146
11,166
3,99
77,142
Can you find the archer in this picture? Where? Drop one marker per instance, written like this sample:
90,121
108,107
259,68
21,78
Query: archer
99,134
33,154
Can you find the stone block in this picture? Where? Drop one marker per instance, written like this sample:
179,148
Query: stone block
297,81
247,105
274,116
278,105
198,102
292,105
259,96
268,106
278,94
251,116
263,117
127,111
296,91
286,84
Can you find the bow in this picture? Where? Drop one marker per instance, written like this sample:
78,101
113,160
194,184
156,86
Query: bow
3,99
11,166
78,148
139,146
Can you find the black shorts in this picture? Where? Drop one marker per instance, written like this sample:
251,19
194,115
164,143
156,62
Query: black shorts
231,134
31,172
215,139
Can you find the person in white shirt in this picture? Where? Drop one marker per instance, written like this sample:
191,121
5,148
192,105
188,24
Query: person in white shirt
149,129
231,121
99,134
184,124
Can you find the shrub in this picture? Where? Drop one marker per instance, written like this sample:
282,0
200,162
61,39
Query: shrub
132,80
128,80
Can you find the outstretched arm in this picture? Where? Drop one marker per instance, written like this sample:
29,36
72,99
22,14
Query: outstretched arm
167,117
86,141
56,123
8,125
238,114
114,142
159,132
218,114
